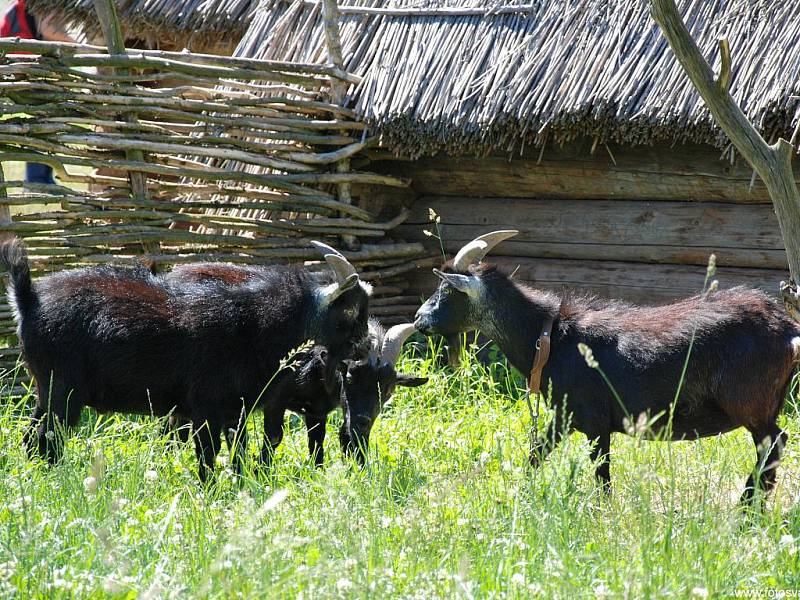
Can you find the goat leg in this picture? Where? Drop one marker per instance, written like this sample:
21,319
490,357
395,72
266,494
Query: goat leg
273,433
769,441
236,439
55,412
31,438
316,438
206,441
601,451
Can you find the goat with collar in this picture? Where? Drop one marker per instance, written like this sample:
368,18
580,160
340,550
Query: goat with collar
743,352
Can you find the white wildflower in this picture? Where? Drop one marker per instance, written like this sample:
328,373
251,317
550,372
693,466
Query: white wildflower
588,356
712,266
600,589
90,484
700,592
344,584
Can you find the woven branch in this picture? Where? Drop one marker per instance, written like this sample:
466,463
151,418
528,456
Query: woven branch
245,171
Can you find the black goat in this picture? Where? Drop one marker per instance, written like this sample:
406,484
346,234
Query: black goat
121,339
743,350
370,383
312,387
370,379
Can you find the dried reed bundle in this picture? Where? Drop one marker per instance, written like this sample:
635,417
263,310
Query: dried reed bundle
469,77
200,25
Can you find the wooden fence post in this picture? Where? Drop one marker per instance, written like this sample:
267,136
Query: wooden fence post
330,16
773,163
112,31
5,210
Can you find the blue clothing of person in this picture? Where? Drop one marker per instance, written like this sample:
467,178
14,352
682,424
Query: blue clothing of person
38,173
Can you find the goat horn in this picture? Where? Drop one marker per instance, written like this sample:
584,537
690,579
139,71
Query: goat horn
338,263
325,249
473,252
393,342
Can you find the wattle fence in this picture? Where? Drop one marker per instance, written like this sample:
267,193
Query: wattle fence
180,157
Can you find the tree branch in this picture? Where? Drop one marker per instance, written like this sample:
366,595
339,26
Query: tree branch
772,163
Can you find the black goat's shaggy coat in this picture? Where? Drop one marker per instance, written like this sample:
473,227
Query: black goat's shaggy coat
312,386
121,339
744,349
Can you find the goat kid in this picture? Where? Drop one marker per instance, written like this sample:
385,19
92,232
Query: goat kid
121,339
370,383
370,377
742,348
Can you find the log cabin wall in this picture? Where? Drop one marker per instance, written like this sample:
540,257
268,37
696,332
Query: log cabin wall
636,223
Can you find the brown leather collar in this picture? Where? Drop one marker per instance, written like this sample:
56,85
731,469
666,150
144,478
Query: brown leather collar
541,356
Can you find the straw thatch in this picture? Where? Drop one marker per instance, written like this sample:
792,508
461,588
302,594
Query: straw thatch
199,25
471,76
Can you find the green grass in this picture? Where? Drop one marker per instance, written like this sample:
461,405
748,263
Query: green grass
446,508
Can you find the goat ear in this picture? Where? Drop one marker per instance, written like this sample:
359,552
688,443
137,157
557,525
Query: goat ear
410,381
468,284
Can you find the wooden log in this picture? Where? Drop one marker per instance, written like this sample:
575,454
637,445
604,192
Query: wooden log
62,49
290,182
28,77
333,44
658,232
394,300
107,15
223,196
404,309
387,290
235,125
410,266
133,60
647,284
194,150
683,173
192,108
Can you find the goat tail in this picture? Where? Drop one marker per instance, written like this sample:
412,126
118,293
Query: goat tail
795,342
14,257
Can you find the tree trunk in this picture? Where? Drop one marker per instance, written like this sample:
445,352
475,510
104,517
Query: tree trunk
773,163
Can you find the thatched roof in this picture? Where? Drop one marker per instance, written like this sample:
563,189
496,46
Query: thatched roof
469,76
200,25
